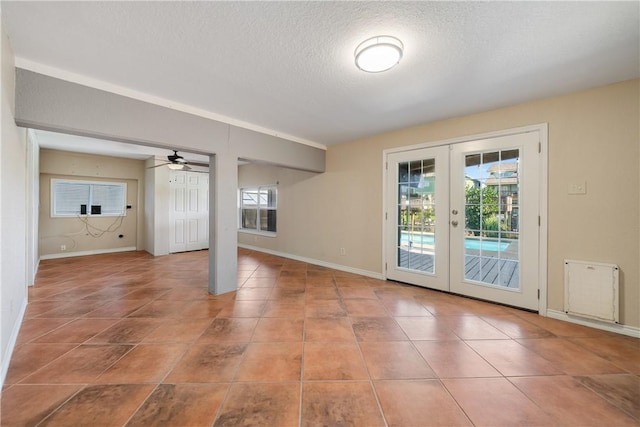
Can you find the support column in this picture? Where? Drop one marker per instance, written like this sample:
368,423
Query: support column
223,223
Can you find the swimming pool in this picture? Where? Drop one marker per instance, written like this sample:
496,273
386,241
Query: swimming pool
469,242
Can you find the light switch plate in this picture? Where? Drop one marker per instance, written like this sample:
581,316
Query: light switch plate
578,187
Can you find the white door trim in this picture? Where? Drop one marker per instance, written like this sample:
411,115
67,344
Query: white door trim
542,130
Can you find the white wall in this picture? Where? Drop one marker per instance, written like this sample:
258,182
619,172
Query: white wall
33,204
156,208
13,189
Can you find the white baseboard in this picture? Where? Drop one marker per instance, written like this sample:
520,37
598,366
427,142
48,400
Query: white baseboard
85,253
6,357
339,267
631,331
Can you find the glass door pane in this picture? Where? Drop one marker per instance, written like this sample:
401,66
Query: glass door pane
491,235
415,238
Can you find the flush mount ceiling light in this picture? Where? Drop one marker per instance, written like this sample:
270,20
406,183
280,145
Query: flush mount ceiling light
377,54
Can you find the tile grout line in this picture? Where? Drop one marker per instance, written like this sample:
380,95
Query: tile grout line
81,389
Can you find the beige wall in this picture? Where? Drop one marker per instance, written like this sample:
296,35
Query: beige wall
71,232
594,136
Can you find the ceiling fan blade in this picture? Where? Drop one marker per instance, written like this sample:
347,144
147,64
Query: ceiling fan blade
204,165
157,166
185,167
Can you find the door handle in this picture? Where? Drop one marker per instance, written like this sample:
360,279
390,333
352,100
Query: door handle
454,223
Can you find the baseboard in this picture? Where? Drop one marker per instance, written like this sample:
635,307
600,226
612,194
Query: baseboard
85,253
339,267
631,331
6,357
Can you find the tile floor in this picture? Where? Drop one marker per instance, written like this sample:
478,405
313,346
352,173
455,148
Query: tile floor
129,339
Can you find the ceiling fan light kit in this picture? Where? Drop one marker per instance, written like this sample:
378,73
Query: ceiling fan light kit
378,54
178,166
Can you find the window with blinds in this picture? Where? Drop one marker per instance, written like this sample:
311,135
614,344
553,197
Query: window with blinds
73,198
258,209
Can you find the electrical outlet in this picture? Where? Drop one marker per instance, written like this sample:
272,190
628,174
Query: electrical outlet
343,251
578,187
63,247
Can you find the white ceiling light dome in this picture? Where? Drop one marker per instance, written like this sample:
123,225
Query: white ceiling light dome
176,166
378,54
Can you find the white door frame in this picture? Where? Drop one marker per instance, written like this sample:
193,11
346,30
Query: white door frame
542,130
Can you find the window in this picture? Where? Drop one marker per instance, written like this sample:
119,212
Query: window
73,198
258,208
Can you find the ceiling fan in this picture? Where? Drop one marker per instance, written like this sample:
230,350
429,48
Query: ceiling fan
177,162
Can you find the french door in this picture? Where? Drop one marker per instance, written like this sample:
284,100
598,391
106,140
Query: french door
417,224
464,218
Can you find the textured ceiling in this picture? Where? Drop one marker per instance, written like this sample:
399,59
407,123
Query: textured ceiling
288,66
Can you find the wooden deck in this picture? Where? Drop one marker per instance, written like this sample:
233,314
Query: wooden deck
484,269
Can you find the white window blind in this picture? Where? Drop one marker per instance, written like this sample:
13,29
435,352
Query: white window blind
68,196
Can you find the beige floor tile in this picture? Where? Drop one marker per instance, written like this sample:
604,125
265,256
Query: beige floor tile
572,404
496,402
339,403
100,405
216,362
513,359
29,358
27,405
229,330
623,391
426,328
569,357
395,360
454,359
77,331
261,404
377,329
278,329
145,363
334,361
330,329
81,365
271,362
190,405
419,403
